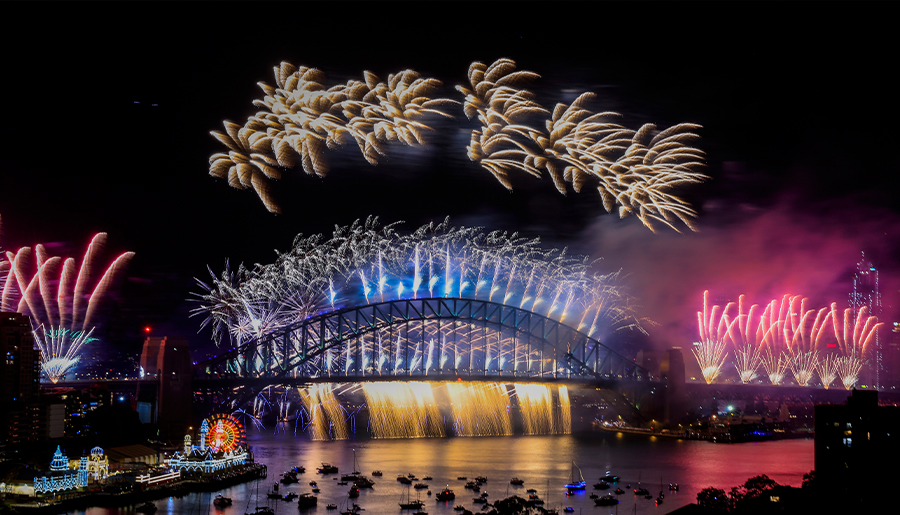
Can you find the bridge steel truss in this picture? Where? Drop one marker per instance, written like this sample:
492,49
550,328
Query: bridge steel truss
418,339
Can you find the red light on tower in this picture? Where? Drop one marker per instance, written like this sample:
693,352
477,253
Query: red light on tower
147,329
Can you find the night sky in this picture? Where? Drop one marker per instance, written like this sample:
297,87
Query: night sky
797,103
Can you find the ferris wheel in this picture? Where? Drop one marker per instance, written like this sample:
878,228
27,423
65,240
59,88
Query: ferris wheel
224,432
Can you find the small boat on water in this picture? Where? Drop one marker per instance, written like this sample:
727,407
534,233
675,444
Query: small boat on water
568,509
516,481
673,487
609,478
221,501
420,486
298,470
331,506
327,468
446,495
410,504
619,491
459,507
312,483
602,485
531,491
273,495
363,482
576,485
316,490
606,500
147,507
427,478
309,501
376,473
462,478
480,479
262,510
290,497
354,492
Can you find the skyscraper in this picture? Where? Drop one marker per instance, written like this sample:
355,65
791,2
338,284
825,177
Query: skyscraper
865,293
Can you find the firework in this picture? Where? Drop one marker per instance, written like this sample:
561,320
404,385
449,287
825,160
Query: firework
743,332
853,339
710,350
365,263
302,120
479,409
402,410
60,303
828,369
634,170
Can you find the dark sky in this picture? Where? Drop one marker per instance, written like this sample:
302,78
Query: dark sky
797,103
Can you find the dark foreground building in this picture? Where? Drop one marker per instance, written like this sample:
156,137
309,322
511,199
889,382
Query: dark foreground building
857,440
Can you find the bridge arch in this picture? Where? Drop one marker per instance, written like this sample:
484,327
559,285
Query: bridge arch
422,338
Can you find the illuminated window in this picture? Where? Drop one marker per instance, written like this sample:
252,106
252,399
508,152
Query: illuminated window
848,441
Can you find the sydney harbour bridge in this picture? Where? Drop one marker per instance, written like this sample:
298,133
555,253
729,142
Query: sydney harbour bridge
433,340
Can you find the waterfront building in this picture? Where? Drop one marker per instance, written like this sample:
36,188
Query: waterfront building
60,479
221,447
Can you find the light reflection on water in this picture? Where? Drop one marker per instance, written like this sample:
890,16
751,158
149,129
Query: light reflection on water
541,461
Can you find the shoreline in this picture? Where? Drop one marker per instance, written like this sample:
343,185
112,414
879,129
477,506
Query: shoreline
180,488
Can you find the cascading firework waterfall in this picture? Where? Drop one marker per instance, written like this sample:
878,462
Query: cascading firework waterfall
479,409
402,410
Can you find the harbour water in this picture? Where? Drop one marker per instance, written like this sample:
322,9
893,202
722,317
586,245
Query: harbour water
543,462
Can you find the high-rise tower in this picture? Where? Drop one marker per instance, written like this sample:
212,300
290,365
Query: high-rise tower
865,293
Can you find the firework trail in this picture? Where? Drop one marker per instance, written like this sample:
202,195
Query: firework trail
634,170
62,318
713,328
321,274
828,369
853,339
302,119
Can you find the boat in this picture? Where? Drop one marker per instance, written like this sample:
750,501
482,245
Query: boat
602,485
593,496
287,479
308,500
331,506
221,501
428,492
263,510
363,482
516,481
273,495
609,478
576,485
479,500
290,497
410,504
147,507
533,499
659,500
312,483
298,470
419,486
459,507
420,512
342,483
606,500
568,509
316,490
405,480
376,473
531,491
445,495
354,492
641,491
327,468
480,479
462,478
427,478
275,487
619,491
673,487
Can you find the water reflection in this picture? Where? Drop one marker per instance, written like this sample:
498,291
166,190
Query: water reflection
543,462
